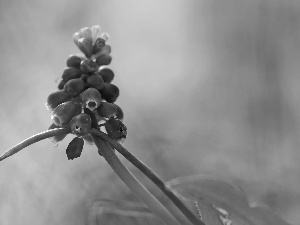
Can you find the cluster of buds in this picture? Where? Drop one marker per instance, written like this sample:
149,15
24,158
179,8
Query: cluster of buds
85,96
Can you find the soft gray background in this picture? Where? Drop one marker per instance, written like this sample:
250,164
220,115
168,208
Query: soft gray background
207,87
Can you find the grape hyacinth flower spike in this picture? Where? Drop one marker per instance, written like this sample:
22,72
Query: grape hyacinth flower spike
84,106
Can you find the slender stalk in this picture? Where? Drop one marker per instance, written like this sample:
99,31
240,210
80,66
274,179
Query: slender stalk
33,139
125,175
192,217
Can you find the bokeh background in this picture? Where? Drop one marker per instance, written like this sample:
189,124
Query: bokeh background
207,87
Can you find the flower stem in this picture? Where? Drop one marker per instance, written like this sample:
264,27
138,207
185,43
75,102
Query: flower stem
125,175
192,217
33,139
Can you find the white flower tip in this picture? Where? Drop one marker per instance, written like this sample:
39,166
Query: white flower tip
91,105
96,29
104,36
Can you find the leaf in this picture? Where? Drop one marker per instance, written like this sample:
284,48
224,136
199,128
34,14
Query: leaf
74,148
217,201
219,198
116,212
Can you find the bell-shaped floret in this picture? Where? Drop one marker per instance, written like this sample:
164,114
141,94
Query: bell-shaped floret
74,61
107,110
70,73
64,113
104,60
106,74
56,98
74,87
80,125
95,81
91,98
110,92
115,129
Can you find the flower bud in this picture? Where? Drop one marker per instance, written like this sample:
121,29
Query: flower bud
64,113
95,81
84,32
91,98
120,114
58,138
61,85
115,129
106,74
56,98
85,45
74,61
96,29
74,87
81,124
74,148
99,44
88,66
70,73
110,92
104,60
104,50
104,36
107,110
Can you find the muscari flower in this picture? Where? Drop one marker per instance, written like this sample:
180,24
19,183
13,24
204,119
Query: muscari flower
90,40
91,98
83,82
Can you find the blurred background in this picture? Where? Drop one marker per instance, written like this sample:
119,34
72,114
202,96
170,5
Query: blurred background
207,87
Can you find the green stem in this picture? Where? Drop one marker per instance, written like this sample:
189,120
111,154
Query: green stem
192,217
125,175
33,139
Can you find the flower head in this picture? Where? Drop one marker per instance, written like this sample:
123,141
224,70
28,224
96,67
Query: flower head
90,40
86,93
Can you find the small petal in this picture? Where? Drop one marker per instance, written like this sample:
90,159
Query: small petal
91,98
81,124
74,148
